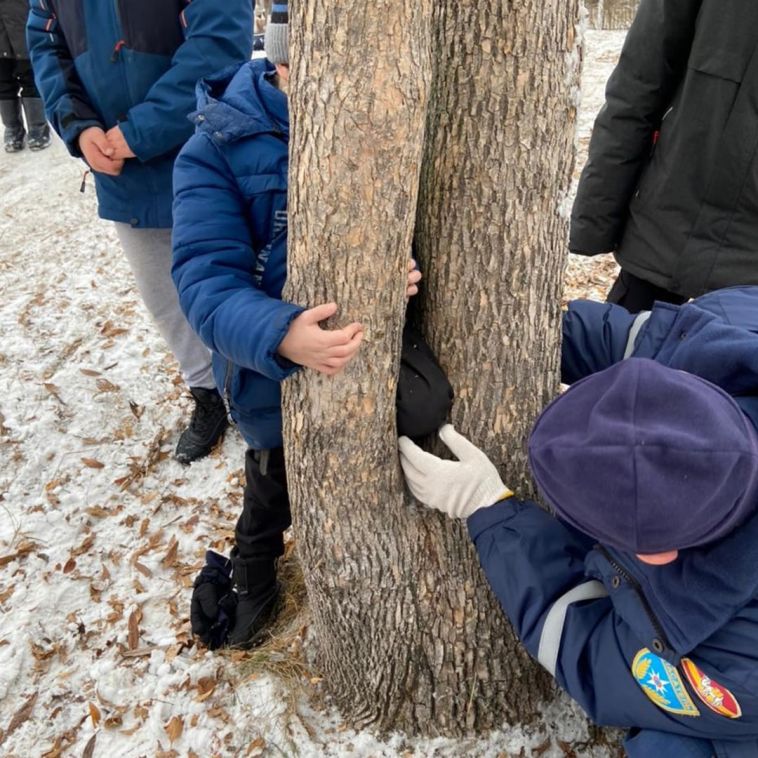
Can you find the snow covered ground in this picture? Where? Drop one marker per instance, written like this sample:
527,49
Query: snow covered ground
101,532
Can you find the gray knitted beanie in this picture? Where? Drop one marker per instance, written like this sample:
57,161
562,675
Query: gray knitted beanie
276,42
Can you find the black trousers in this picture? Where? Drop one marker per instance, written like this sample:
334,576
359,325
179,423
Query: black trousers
637,295
16,79
265,507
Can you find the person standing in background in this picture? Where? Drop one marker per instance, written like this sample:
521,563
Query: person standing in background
118,81
671,182
17,88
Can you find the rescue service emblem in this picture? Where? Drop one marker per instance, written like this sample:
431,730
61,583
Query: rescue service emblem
714,695
661,682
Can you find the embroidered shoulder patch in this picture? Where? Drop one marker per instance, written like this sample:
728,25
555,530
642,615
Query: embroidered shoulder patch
661,682
714,695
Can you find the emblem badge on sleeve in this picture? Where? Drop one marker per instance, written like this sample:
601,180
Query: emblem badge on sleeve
714,695
661,682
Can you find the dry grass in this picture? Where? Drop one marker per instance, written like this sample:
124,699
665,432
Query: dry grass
281,652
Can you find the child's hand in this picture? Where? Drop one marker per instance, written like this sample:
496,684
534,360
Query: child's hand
322,350
414,277
97,151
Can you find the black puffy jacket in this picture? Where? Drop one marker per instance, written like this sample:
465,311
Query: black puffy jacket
671,183
13,14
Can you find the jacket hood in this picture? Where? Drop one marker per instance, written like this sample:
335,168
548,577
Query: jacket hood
241,101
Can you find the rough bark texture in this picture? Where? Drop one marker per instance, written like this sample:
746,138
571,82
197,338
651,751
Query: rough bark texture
408,636
611,14
492,241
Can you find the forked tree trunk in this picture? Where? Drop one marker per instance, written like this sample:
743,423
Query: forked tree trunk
408,637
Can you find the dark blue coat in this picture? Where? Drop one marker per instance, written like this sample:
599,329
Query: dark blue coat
589,613
133,63
715,337
230,241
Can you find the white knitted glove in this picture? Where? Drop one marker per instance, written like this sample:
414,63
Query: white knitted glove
457,488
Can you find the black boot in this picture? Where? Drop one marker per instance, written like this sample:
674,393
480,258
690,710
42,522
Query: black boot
206,426
36,122
10,112
258,594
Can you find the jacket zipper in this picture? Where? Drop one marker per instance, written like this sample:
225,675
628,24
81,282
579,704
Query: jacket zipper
619,569
228,390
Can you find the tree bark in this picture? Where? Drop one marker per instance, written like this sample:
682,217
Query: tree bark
407,634
611,14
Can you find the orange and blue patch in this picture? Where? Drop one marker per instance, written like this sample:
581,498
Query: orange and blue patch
717,697
661,682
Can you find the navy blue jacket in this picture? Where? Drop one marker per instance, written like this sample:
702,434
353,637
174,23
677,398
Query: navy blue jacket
714,336
613,631
133,63
230,241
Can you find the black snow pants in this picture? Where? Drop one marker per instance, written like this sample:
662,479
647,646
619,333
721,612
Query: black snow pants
265,507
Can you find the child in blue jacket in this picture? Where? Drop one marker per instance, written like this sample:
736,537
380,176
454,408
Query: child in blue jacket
230,265
640,595
118,80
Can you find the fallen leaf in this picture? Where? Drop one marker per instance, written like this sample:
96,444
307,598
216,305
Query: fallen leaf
69,565
88,542
54,391
103,385
134,618
170,558
89,748
205,688
21,716
95,714
255,748
92,463
113,722
174,728
144,570
89,372
97,511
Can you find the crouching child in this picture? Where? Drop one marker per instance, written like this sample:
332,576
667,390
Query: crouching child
640,594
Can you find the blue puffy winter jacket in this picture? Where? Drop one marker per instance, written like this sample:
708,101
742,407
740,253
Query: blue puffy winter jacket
230,241
669,651
134,63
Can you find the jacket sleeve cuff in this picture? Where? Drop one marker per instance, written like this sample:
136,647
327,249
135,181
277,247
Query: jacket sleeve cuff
132,139
71,136
277,366
485,518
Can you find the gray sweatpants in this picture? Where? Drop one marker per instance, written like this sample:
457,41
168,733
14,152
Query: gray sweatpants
149,254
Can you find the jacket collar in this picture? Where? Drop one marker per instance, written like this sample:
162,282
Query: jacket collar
685,602
241,101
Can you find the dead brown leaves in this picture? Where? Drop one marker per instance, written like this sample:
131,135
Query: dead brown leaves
174,728
133,626
21,716
139,468
25,547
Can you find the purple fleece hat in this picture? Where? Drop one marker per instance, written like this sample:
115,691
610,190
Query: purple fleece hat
646,459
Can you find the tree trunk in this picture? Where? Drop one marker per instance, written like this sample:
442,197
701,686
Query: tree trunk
407,634
611,14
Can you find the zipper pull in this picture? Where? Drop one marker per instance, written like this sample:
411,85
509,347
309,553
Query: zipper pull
117,50
83,185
